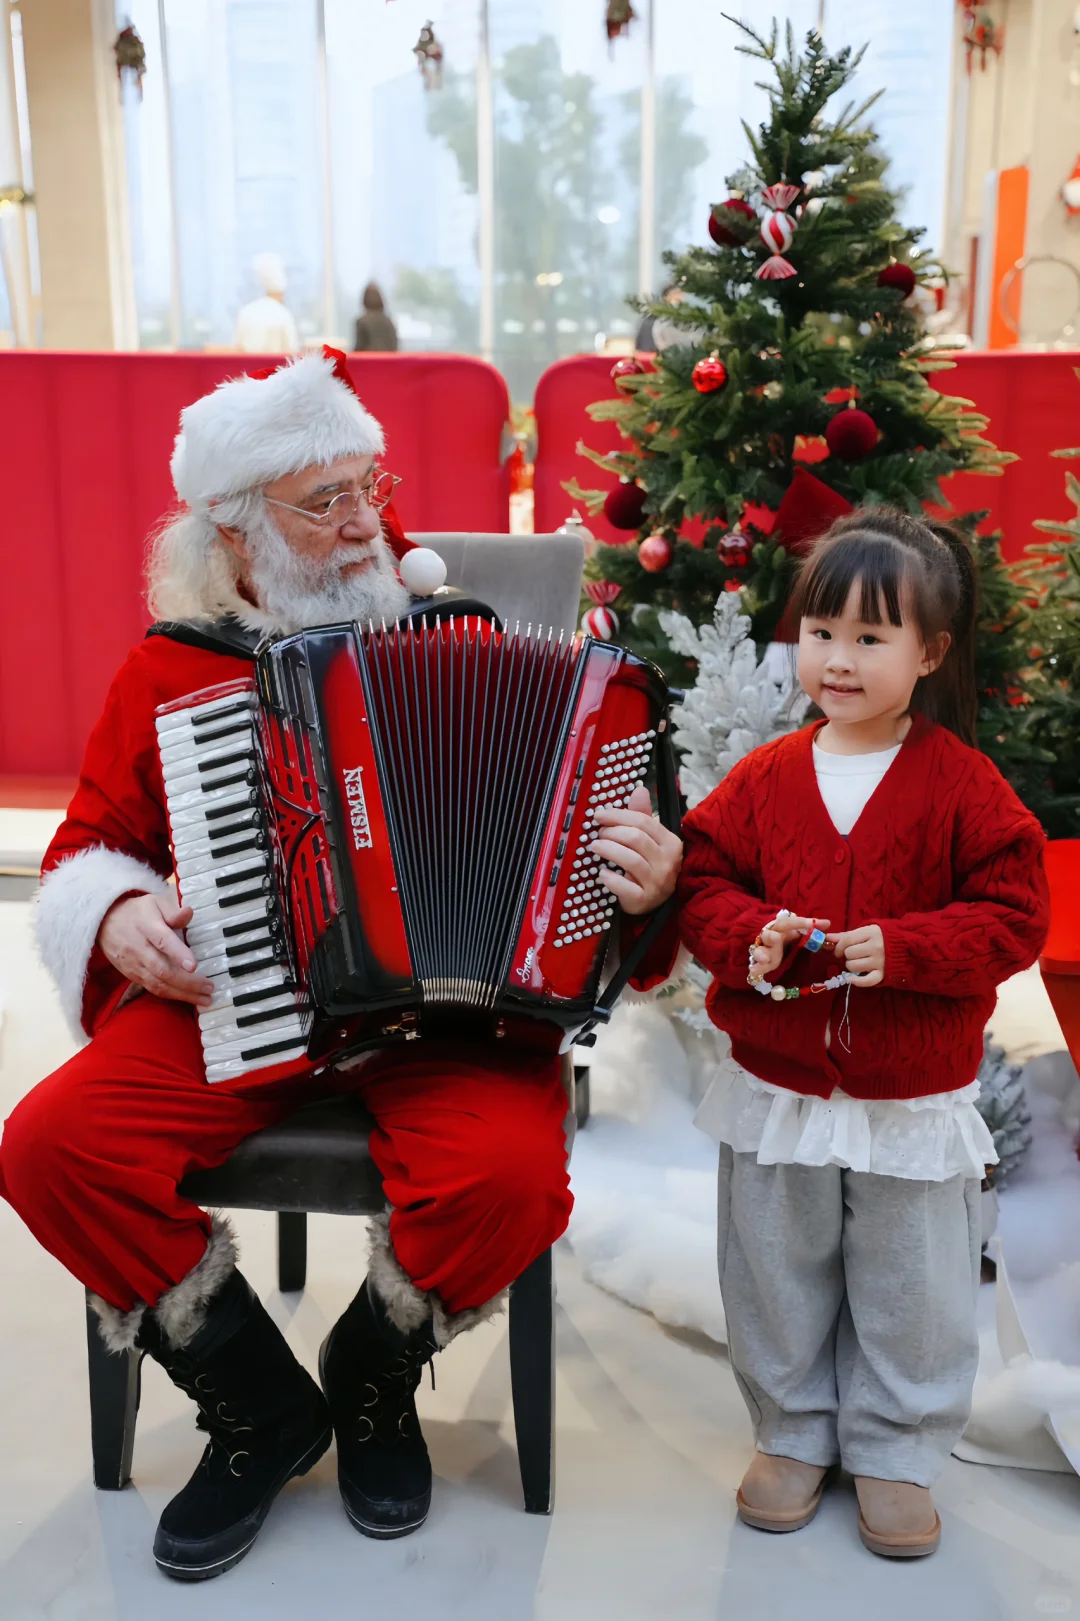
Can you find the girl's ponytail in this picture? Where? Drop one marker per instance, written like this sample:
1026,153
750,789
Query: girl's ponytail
950,696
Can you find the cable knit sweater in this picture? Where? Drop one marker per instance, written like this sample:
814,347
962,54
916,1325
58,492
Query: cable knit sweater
944,857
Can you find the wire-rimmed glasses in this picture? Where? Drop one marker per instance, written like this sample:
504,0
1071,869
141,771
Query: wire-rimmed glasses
340,509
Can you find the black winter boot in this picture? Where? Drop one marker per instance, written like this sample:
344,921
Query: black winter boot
370,1371
267,1421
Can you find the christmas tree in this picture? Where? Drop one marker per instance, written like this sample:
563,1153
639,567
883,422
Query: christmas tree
800,344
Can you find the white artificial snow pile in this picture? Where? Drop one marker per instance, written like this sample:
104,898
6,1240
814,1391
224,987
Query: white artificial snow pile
644,1223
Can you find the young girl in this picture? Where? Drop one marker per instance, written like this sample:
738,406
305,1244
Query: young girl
858,890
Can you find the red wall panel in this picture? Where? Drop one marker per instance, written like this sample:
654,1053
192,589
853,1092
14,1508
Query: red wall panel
1032,400
85,441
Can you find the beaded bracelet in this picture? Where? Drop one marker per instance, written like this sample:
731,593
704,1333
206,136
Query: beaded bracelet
791,993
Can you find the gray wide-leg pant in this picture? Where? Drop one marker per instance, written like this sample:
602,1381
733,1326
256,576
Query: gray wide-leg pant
850,1303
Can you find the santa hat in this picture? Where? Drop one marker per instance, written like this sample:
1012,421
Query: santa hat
254,429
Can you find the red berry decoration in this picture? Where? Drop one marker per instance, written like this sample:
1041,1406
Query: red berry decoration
624,507
601,623
733,550
851,434
655,554
626,367
709,374
732,222
900,277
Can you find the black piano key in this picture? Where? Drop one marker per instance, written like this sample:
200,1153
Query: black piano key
296,1044
242,971
199,719
231,808
249,895
231,929
261,944
245,998
250,1019
238,877
241,758
226,853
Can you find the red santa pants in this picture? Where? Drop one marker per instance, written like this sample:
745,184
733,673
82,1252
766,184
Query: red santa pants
469,1141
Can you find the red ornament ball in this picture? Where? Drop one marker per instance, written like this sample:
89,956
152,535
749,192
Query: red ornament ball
851,435
901,277
655,554
732,222
624,506
733,550
709,374
601,623
626,367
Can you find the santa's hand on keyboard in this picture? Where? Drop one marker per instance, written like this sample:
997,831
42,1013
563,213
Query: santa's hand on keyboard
638,843
141,938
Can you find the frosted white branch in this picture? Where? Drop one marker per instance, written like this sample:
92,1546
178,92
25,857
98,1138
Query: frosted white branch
736,704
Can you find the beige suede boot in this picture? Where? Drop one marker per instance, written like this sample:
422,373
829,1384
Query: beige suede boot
780,1494
896,1519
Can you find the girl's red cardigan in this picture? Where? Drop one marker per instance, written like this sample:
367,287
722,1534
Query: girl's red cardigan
944,857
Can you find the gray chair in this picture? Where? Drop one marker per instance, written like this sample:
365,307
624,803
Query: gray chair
318,1159
532,578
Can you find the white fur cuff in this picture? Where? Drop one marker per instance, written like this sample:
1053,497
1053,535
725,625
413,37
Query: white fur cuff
71,903
408,1307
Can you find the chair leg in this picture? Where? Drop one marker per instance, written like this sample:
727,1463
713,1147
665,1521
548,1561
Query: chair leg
581,1094
291,1250
532,1380
114,1403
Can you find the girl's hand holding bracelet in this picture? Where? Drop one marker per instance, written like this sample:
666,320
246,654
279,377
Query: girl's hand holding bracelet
862,952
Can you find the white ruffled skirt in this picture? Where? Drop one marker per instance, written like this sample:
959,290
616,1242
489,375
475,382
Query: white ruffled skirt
923,1139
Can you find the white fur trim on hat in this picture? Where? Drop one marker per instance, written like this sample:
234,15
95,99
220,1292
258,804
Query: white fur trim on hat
73,898
253,430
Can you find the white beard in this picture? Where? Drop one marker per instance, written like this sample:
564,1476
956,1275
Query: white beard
297,593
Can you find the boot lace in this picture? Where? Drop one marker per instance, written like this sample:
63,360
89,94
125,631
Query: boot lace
386,1398
224,1428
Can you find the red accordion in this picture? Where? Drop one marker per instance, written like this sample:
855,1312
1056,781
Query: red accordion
386,833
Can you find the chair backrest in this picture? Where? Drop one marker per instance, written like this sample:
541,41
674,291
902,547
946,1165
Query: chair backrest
534,579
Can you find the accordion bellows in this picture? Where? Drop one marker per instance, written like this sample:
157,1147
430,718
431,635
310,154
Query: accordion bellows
386,834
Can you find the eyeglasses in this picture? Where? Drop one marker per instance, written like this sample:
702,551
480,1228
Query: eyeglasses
346,506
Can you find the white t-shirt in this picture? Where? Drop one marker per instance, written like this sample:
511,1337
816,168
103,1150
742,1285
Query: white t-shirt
847,781
924,1139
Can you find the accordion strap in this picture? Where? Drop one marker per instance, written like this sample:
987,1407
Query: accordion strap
213,635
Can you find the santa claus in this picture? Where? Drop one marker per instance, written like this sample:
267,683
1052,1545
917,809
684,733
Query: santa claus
281,528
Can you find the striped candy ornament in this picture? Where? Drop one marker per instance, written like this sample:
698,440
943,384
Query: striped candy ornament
602,592
601,623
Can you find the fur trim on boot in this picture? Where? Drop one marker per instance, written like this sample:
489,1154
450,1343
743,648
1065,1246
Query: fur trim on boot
408,1307
181,1311
119,1329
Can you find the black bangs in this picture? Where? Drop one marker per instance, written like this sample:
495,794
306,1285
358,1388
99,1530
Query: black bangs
879,566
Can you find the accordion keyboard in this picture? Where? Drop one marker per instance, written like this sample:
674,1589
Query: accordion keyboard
224,870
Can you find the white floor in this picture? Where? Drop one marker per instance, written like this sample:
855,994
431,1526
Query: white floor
652,1440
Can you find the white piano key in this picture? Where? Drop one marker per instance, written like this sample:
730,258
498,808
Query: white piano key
234,1070
185,752
195,727
226,988
194,810
180,717
199,869
230,1036
211,911
186,781
226,1018
212,937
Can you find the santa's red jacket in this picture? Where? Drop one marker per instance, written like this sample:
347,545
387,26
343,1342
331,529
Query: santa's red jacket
114,840
944,858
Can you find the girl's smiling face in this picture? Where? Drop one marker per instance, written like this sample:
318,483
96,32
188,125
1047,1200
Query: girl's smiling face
857,671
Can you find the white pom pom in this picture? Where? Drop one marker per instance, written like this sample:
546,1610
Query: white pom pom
422,571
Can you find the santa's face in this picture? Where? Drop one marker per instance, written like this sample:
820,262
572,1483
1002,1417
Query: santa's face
301,571
302,500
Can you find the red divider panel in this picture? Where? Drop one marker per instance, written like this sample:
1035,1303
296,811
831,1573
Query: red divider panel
1032,400
85,441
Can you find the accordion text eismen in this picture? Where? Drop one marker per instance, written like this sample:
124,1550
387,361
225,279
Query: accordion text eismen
386,832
